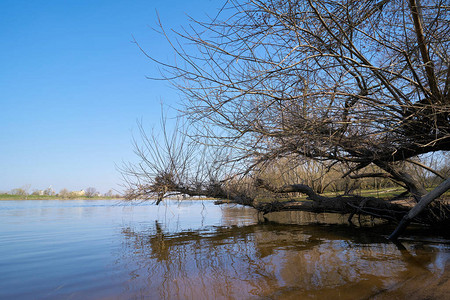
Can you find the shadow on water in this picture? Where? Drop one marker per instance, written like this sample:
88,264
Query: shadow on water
301,259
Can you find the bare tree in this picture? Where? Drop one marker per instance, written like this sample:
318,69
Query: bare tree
23,191
172,164
19,192
344,83
109,193
90,192
64,193
49,191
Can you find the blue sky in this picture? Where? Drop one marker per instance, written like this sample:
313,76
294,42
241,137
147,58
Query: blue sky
72,85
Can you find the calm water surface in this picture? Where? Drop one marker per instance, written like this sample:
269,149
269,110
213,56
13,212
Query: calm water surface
103,249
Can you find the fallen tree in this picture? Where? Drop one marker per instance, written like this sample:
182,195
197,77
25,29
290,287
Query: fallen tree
166,185
398,211
359,87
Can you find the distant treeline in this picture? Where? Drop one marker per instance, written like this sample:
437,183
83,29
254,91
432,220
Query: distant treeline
49,193
54,197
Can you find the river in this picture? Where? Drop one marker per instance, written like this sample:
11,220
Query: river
106,249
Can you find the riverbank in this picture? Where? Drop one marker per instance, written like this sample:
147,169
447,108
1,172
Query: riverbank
47,197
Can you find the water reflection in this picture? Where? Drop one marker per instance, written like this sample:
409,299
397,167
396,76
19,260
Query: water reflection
270,260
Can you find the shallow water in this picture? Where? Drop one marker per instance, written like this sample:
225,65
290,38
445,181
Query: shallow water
103,249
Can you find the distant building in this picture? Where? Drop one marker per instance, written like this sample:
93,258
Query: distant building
79,193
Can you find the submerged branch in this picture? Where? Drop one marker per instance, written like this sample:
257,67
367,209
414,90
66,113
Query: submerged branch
344,204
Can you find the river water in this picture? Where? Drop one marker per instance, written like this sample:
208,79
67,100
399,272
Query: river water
104,249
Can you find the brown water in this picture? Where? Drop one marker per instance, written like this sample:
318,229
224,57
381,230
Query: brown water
196,250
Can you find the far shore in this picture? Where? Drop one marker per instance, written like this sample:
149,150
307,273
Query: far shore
46,197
